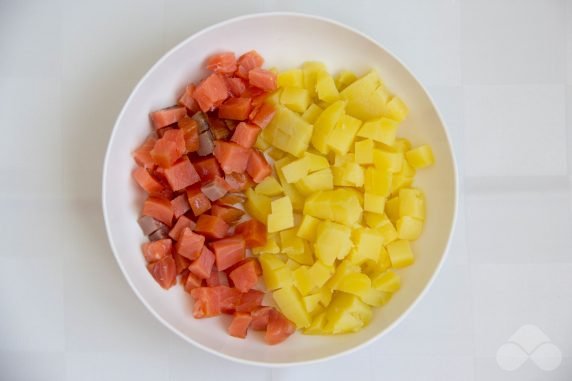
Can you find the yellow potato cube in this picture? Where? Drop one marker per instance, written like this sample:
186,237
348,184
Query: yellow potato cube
274,98
315,162
381,130
332,242
388,161
261,143
269,187
326,296
373,203
288,132
312,303
355,283
307,228
317,181
347,313
364,151
387,281
289,300
420,157
382,224
411,203
375,298
303,281
400,253
306,257
401,145
296,170
326,88
342,270
342,136
368,243
340,205
275,278
399,181
282,216
320,273
349,174
292,265
271,246
317,325
344,79
392,208
257,205
291,244
312,113
275,153
325,124
366,98
339,159
409,228
310,70
289,189
377,181
396,109
296,99
290,78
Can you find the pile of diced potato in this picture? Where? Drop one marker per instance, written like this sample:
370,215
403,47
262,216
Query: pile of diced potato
341,209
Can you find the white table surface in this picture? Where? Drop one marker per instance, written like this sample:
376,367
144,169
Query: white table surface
501,72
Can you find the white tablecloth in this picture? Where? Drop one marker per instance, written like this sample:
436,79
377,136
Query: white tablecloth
501,72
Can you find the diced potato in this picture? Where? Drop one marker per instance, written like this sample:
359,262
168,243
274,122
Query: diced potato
271,246
355,283
377,181
400,253
409,228
269,187
346,313
317,181
373,203
296,170
324,125
396,109
257,205
303,280
307,228
310,70
364,151
320,273
289,189
401,145
344,79
342,270
282,216
317,325
274,98
375,298
342,136
312,113
349,174
290,302
411,203
290,78
333,241
291,244
312,303
366,98
315,162
292,265
296,99
388,161
387,281
392,208
382,224
261,143
381,130
275,153
275,278
326,296
340,205
326,88
288,132
368,243
420,157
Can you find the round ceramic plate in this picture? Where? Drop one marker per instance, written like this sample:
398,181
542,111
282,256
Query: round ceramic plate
285,40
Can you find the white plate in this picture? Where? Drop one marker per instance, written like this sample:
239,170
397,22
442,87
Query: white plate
285,40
